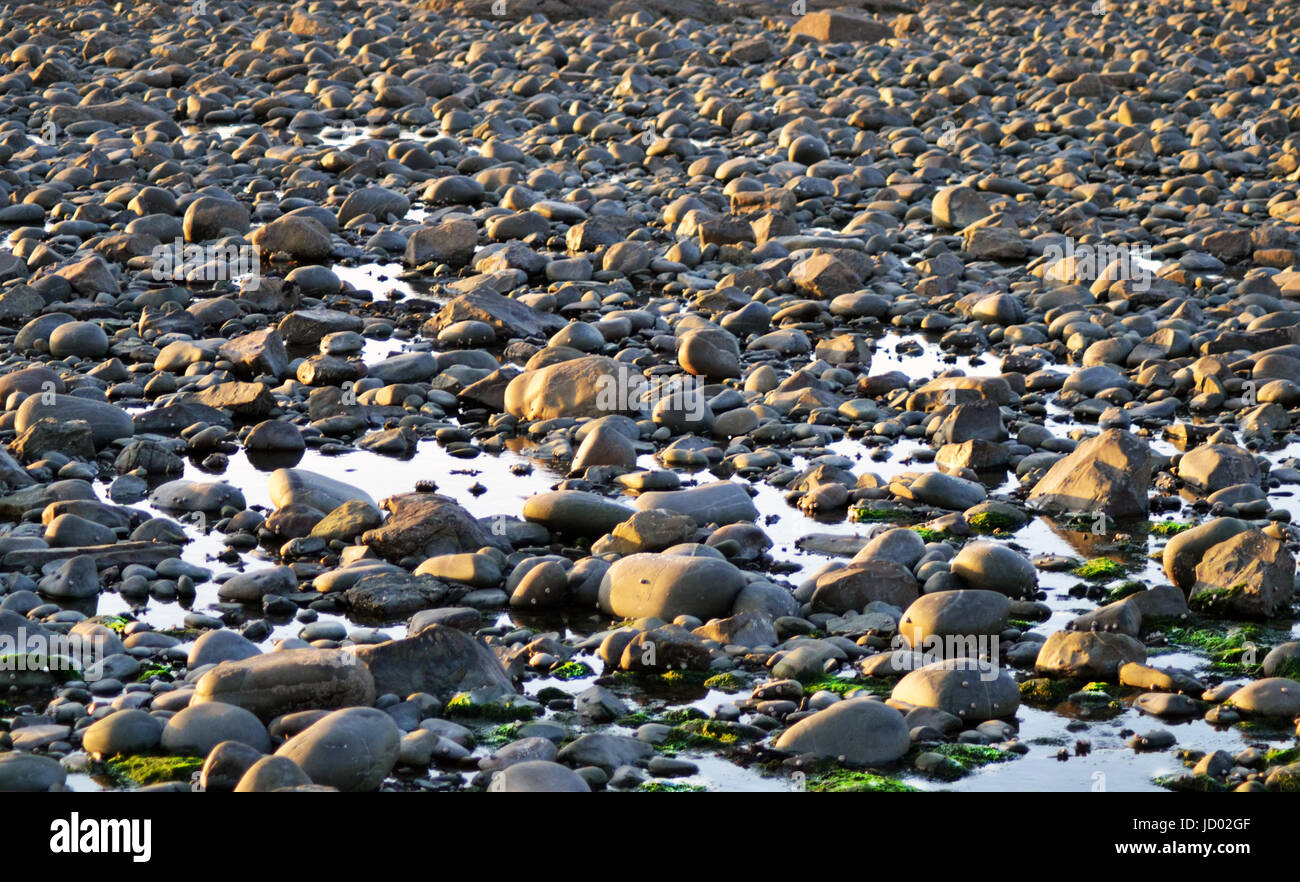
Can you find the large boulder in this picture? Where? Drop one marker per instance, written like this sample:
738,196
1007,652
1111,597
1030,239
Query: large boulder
1091,655
425,525
1269,697
440,660
957,207
1108,474
968,688
853,587
721,502
1185,550
538,776
108,422
605,751
507,317
591,386
386,596
353,749
277,683
200,727
1212,467
842,26
946,614
575,512
30,773
860,732
669,585
302,487
125,732
220,645
294,236
451,242
206,496
1248,576
994,566
257,352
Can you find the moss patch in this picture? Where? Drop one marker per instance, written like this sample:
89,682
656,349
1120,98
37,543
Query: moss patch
1285,780
705,734
867,515
1289,668
1236,649
61,667
726,683
116,623
158,669
1100,569
992,522
1189,783
1282,756
679,715
845,685
1124,589
671,787
1167,528
140,771
962,758
504,709
500,736
1265,728
1213,601
1045,692
847,781
573,670
973,756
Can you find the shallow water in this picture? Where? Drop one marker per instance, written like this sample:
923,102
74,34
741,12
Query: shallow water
1045,731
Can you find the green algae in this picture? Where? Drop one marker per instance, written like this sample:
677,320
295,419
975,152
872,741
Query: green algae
993,522
847,685
1189,783
140,771
727,682
1100,569
851,781
501,735
1044,691
504,710
572,670
1236,649
671,787
867,515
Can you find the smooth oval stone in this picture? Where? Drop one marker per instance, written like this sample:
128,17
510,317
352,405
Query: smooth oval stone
538,776
302,487
199,728
108,422
276,683
352,749
669,585
973,690
860,732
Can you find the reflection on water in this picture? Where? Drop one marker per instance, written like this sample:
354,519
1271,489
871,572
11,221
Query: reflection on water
1120,768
